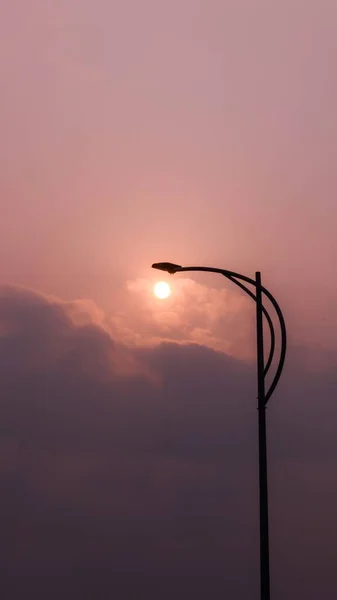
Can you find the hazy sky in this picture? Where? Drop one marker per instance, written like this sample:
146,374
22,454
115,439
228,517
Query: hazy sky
202,132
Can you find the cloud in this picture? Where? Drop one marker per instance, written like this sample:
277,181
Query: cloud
40,331
99,470
222,319
134,472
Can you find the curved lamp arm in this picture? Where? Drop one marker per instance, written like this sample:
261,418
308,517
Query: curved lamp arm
283,344
232,276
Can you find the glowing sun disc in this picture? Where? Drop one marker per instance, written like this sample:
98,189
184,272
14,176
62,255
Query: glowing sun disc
162,290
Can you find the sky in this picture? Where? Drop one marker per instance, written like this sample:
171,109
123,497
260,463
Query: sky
202,133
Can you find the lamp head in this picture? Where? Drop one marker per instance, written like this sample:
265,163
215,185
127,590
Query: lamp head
166,266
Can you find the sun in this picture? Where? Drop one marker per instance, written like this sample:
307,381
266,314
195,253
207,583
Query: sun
162,290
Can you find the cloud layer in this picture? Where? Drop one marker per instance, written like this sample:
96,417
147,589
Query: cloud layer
134,474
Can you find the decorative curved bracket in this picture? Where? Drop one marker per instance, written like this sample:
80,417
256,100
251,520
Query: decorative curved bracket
269,321
232,277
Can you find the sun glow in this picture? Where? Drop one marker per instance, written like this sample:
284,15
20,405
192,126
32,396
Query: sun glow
162,290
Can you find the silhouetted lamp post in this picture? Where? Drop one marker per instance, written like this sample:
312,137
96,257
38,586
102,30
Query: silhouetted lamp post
263,395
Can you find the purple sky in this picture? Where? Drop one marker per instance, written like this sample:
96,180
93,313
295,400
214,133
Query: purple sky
192,131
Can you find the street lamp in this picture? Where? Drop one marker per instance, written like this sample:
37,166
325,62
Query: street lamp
263,394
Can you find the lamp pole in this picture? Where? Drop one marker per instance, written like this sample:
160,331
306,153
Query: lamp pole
263,395
263,482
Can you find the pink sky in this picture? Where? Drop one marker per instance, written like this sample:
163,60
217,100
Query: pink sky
198,132
189,131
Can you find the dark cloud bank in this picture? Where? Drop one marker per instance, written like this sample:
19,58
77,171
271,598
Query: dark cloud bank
135,476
